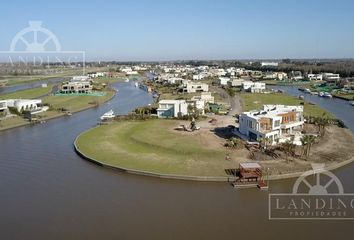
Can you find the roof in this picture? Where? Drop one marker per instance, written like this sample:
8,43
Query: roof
250,165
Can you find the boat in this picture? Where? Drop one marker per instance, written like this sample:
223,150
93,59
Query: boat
108,115
327,95
136,84
314,93
126,80
352,103
301,97
306,90
321,94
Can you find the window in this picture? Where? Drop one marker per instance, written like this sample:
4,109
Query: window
277,123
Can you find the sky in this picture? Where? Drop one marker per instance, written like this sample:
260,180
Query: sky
149,30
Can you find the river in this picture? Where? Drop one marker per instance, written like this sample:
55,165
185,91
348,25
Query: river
48,192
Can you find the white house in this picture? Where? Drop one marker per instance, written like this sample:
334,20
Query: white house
3,107
205,96
198,104
80,78
278,123
199,76
331,77
315,77
269,64
223,81
236,82
25,104
172,108
192,87
96,74
253,87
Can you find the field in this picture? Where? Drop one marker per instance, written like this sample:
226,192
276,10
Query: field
154,146
76,103
254,101
29,93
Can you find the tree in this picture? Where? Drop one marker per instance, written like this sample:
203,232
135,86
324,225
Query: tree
307,141
289,149
322,123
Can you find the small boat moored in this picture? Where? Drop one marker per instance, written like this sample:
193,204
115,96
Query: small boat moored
108,115
126,80
352,103
327,95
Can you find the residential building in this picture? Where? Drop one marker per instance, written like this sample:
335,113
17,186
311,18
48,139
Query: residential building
76,87
331,77
235,82
25,104
277,123
198,104
223,81
3,107
315,77
269,64
172,108
281,75
253,87
80,78
96,74
205,96
192,87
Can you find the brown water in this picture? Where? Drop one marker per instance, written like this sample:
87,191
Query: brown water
48,192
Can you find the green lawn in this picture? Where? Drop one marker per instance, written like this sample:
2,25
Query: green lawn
28,94
153,146
76,103
254,101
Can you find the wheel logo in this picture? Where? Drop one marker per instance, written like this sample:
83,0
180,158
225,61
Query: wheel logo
317,188
32,42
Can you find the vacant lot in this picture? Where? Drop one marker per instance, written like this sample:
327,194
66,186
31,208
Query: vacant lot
155,146
254,101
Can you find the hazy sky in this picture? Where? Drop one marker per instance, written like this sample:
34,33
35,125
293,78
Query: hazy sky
193,29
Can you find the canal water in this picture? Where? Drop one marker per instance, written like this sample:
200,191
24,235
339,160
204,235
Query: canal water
35,84
48,192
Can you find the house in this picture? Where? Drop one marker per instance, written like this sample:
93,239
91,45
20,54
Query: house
277,123
235,82
281,75
174,80
199,105
172,108
205,96
269,64
3,107
76,87
331,77
223,81
192,87
314,77
21,105
253,87
80,79
199,76
96,74
270,75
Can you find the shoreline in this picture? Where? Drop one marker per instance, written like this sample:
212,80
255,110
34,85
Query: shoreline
329,167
